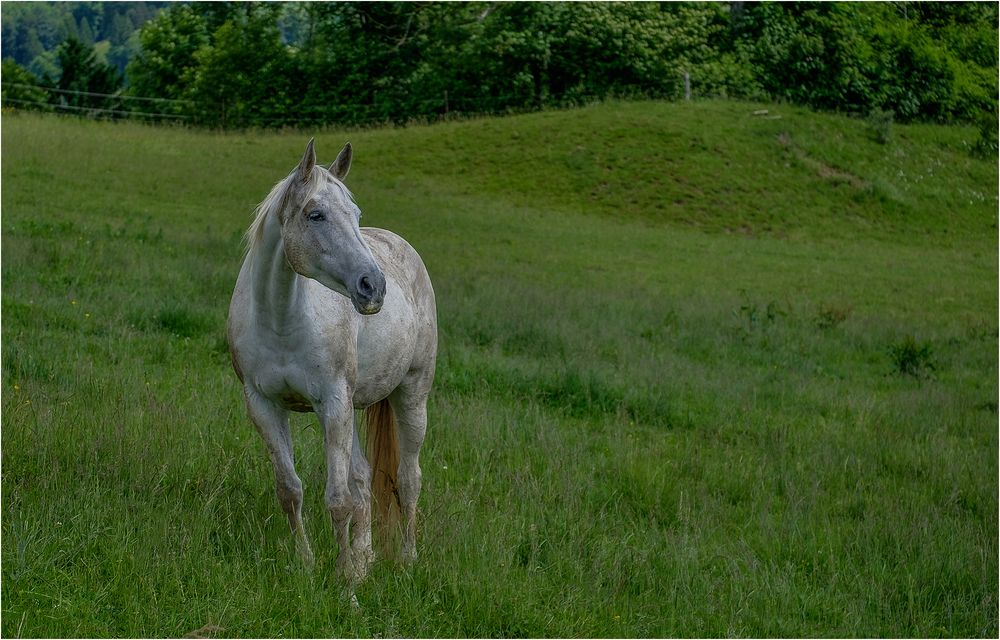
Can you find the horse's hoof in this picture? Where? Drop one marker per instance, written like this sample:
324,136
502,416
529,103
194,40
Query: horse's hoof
308,559
408,555
346,568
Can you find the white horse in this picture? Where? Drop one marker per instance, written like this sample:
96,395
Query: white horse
329,317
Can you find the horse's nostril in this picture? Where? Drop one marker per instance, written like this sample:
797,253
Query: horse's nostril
365,286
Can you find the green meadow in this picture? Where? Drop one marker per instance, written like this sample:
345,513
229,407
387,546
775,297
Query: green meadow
702,373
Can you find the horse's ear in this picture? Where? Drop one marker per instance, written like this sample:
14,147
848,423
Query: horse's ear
342,164
308,161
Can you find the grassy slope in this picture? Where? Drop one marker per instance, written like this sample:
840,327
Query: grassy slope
665,404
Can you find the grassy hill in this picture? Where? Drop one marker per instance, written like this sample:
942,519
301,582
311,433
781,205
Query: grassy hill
702,373
717,167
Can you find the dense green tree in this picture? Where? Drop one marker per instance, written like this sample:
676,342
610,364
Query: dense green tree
21,88
244,78
86,32
908,58
81,74
46,67
121,29
29,42
361,58
69,27
166,57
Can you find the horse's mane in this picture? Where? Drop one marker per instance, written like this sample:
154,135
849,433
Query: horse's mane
278,199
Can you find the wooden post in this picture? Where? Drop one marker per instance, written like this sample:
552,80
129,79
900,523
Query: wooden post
446,101
687,85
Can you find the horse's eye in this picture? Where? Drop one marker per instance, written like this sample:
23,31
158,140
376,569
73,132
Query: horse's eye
316,215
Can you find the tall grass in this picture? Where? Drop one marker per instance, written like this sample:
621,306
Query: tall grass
669,398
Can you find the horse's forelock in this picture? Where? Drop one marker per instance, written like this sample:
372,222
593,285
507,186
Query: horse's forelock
277,200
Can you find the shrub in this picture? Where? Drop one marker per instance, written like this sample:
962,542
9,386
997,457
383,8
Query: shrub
986,144
880,125
831,315
912,358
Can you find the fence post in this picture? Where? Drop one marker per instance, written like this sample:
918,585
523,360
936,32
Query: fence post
687,86
446,101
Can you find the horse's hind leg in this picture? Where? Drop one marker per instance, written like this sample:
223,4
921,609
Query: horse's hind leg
272,424
360,485
410,407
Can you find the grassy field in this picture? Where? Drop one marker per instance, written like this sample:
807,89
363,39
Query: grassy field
702,373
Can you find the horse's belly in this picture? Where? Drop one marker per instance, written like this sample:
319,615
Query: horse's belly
379,372
366,395
293,401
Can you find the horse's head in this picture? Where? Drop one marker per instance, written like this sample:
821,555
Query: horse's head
321,233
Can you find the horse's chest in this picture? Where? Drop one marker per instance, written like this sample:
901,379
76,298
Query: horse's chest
297,379
290,386
313,367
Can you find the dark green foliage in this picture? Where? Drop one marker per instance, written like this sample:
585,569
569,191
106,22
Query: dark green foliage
922,64
80,73
255,64
986,143
81,83
21,88
168,44
244,77
33,29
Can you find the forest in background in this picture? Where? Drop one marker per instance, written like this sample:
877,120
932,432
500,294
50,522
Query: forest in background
259,64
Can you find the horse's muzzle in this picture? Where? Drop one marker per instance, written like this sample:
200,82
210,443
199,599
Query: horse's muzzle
369,293
369,309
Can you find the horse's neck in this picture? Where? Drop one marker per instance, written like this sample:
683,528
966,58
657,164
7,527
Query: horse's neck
277,290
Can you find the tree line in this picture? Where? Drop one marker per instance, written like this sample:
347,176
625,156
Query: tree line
258,64
32,31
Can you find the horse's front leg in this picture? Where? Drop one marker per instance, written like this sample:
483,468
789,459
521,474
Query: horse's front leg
272,424
361,520
337,418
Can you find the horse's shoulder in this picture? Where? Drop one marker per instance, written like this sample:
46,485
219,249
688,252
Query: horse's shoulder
393,253
401,263
383,240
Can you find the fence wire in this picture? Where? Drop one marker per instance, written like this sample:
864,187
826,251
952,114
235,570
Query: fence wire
349,114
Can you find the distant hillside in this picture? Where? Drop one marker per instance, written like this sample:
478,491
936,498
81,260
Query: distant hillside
723,167
32,30
720,166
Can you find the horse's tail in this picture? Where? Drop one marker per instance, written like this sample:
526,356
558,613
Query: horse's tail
383,452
